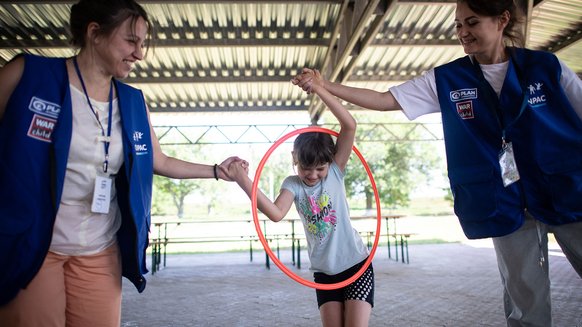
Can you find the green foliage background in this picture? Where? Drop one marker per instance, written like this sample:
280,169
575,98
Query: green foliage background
399,169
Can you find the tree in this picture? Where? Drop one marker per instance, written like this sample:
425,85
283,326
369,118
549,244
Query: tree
174,191
177,189
398,167
277,168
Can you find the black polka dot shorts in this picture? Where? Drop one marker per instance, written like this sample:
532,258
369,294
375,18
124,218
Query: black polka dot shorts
361,289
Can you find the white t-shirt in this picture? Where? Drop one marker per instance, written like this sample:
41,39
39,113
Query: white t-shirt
333,244
418,96
77,230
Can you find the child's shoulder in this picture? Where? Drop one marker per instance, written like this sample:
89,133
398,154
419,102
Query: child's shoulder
333,166
291,182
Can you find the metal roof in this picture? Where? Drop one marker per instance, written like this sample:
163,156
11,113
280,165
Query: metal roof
239,55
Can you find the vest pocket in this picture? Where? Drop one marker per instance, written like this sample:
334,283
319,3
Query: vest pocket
564,180
474,193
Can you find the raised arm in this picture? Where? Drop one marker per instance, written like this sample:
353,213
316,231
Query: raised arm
347,132
275,211
370,99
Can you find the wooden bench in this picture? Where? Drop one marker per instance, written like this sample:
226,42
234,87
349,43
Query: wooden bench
399,239
159,246
403,237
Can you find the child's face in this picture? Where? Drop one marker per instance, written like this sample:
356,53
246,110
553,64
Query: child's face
312,175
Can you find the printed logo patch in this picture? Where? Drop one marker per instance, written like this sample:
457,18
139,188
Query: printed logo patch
44,107
465,110
41,128
137,136
537,97
140,149
463,94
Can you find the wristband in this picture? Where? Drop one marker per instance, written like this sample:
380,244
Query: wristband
215,172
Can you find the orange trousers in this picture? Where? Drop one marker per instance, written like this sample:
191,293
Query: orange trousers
70,291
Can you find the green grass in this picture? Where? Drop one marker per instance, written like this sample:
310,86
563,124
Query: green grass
428,206
419,207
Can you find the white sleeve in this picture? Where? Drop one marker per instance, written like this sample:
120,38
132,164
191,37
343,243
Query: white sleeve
418,96
572,85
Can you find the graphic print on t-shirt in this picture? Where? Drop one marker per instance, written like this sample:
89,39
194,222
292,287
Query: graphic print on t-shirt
319,215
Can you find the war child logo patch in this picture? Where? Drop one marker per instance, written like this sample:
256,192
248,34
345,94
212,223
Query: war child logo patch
41,128
465,109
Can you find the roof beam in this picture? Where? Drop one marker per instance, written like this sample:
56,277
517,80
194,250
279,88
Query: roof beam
565,40
428,2
238,134
527,9
171,37
165,1
173,43
416,43
163,107
360,23
154,77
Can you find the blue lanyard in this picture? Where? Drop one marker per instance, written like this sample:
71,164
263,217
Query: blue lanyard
493,100
106,139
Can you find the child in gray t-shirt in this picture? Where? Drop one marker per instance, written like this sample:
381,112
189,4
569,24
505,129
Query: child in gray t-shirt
336,250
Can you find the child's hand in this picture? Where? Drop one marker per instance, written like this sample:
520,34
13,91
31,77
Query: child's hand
316,80
224,168
238,169
307,79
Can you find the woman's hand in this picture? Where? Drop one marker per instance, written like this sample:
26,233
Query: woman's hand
308,79
224,169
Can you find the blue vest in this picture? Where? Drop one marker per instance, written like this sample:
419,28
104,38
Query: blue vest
546,137
35,135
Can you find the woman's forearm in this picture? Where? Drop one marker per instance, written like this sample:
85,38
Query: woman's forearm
366,98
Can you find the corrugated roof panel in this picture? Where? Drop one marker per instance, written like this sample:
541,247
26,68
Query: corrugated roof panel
33,15
551,19
238,55
221,95
409,23
240,15
235,58
7,54
404,61
572,57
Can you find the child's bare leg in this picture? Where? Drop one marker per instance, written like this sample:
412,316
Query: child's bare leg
332,314
357,313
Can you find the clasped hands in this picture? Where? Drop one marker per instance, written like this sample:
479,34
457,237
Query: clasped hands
233,168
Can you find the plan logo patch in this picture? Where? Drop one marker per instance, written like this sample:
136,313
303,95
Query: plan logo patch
44,107
41,128
465,110
463,94
537,97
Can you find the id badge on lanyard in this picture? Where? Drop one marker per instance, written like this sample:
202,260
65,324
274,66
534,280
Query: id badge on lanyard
101,194
507,163
509,172
103,182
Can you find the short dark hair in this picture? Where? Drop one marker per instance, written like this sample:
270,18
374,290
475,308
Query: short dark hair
109,14
492,8
313,148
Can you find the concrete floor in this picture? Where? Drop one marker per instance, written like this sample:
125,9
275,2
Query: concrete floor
450,285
